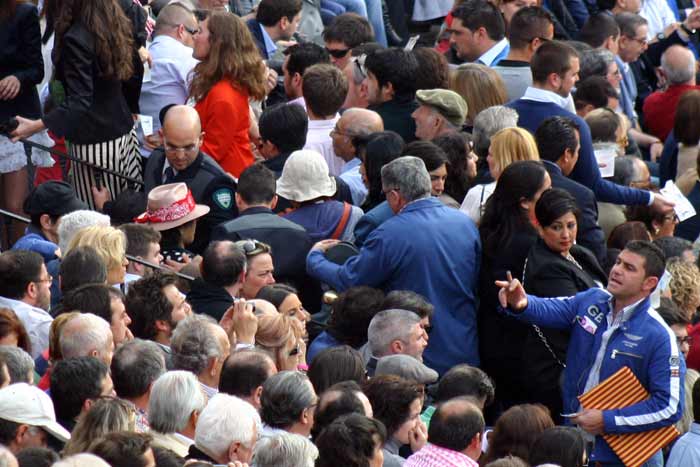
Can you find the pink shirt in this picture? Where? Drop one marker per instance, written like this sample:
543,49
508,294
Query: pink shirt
435,456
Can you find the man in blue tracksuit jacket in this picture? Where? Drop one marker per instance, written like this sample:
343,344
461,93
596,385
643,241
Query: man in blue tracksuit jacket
611,329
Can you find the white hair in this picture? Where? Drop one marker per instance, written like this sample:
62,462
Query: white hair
285,450
72,222
81,460
226,419
174,396
84,334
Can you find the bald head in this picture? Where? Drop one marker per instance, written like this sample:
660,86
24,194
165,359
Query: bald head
87,335
263,307
171,17
362,121
82,460
457,425
678,65
182,119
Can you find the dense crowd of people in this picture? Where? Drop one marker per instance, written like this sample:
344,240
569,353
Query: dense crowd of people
285,233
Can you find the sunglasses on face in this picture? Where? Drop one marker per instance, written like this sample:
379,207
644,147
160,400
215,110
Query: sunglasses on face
337,53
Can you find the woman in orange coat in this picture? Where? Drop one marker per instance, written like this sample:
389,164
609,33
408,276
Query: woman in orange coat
229,73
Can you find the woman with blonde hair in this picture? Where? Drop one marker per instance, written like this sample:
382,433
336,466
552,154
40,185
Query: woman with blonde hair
281,337
230,72
106,415
685,285
110,245
507,146
480,86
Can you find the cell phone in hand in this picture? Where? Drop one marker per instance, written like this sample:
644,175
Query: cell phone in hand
570,415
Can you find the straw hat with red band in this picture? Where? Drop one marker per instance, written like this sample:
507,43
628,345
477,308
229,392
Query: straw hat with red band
171,206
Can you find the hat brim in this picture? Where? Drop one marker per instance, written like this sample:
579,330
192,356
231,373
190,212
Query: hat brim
294,193
198,211
75,205
57,431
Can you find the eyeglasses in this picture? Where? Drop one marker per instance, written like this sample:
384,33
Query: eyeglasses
176,149
193,32
671,217
360,66
641,42
49,280
252,247
542,39
337,53
336,131
295,351
685,340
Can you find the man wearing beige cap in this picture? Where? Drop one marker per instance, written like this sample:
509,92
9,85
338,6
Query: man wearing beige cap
27,418
441,111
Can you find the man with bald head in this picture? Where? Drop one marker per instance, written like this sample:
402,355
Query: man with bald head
180,159
171,51
355,124
678,68
454,436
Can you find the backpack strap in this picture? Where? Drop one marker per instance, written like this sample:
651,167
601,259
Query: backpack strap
343,221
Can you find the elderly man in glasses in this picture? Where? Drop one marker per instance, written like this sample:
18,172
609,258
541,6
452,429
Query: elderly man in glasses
180,159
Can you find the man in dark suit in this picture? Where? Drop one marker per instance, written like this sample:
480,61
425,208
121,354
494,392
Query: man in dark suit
275,20
558,143
289,241
180,160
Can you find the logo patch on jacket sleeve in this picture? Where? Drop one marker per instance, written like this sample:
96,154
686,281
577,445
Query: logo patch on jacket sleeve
223,197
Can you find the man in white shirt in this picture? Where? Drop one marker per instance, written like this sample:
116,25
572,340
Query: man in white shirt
171,51
25,288
324,88
355,123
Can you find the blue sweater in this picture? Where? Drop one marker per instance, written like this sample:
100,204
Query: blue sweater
586,172
432,250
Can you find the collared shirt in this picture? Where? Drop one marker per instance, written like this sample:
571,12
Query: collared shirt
614,322
208,390
686,451
496,53
658,14
318,138
351,176
36,321
542,95
298,101
172,64
435,456
270,46
128,279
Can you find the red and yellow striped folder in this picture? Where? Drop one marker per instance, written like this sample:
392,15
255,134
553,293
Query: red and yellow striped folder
620,390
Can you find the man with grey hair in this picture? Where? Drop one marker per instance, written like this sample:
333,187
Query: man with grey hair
285,450
135,367
393,332
87,335
173,409
20,365
487,123
227,431
678,68
355,124
288,403
425,247
200,345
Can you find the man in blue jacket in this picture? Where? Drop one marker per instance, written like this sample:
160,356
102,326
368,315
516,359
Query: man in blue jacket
426,247
555,67
611,329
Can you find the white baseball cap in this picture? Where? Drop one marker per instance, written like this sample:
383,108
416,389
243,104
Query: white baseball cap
29,405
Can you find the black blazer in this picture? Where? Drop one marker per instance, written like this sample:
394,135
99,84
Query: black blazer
94,109
20,55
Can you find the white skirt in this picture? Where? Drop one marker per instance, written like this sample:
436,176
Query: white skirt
13,156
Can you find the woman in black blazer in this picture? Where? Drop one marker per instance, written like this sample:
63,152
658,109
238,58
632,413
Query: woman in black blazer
21,69
92,56
555,267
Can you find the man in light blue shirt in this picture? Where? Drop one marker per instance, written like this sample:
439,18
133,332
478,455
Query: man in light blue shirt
171,51
355,123
686,451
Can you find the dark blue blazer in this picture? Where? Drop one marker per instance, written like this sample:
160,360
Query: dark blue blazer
590,235
530,116
256,32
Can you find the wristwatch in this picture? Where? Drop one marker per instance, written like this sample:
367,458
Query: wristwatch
660,36
687,30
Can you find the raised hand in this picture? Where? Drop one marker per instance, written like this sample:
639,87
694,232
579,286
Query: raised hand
512,293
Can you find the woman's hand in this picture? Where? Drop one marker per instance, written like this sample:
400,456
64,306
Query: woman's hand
9,88
26,128
418,436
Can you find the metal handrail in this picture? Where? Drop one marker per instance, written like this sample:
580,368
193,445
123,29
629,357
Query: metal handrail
129,257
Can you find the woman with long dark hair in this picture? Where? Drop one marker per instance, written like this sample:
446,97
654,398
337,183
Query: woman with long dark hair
555,267
507,233
92,55
230,72
21,69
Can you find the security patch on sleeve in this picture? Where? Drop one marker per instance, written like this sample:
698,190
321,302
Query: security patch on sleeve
223,198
